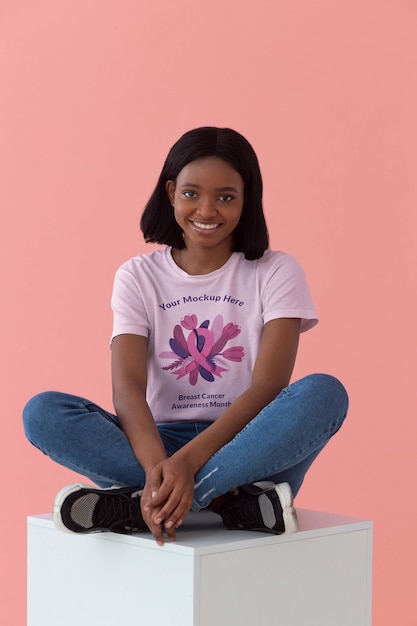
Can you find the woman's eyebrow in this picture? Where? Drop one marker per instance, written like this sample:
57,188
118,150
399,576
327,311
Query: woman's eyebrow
195,186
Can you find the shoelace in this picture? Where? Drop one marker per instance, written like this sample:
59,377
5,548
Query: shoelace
243,509
120,512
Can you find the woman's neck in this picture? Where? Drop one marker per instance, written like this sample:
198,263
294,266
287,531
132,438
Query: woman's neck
196,262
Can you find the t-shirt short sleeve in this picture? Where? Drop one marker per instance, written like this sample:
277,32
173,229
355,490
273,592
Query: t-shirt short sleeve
129,313
285,292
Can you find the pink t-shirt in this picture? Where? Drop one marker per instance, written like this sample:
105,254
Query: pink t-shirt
204,331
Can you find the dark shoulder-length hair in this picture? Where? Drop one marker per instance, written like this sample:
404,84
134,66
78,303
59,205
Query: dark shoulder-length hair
158,222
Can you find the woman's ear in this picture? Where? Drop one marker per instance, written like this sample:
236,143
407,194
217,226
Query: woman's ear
170,188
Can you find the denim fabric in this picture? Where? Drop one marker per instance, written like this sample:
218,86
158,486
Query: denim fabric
279,444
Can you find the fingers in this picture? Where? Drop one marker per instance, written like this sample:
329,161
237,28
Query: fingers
148,515
167,517
158,532
167,498
157,520
157,526
173,510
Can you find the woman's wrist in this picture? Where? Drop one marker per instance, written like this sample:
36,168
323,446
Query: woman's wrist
149,462
192,454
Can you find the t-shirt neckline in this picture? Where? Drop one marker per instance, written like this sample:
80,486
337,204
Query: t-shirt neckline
181,272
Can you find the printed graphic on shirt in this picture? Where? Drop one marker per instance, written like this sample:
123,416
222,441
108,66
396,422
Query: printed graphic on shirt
202,351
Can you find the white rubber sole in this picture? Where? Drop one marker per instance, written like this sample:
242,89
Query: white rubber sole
289,513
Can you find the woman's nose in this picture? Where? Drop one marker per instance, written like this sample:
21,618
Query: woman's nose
207,208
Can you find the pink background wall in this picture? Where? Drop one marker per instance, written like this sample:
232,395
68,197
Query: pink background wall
93,93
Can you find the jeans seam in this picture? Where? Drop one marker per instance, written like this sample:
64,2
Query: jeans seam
97,409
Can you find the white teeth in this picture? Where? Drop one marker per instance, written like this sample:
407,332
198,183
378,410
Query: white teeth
205,226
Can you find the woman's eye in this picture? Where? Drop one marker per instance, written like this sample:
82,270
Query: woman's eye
225,198
189,194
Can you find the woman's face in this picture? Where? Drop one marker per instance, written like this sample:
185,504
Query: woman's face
208,200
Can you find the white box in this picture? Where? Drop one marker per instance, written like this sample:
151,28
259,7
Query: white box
320,576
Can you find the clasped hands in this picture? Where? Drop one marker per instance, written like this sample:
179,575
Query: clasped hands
167,497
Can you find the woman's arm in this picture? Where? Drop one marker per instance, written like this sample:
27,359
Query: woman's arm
129,377
272,372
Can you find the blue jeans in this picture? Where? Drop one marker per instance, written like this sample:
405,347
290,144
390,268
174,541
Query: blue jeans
279,444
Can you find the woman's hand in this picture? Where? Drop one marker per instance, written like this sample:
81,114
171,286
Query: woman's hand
167,497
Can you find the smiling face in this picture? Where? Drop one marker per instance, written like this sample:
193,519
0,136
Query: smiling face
208,200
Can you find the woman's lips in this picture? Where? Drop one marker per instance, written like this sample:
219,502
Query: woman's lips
205,226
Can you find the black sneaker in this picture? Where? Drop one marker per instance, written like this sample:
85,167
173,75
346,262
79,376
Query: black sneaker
263,506
82,509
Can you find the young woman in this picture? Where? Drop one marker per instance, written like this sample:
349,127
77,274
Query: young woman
204,342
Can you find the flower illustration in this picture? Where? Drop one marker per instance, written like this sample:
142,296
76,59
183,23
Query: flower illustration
201,352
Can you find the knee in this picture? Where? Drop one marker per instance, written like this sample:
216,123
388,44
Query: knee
330,393
325,383
38,414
